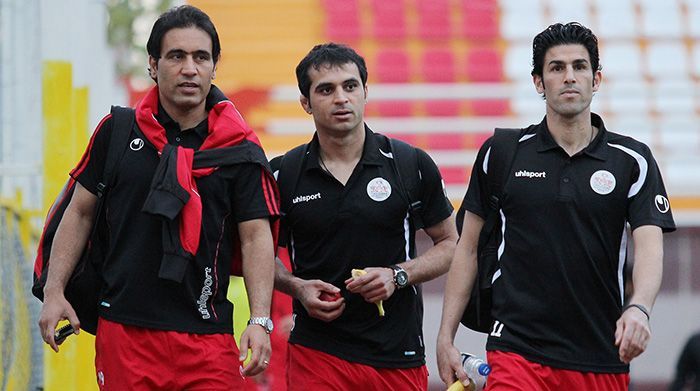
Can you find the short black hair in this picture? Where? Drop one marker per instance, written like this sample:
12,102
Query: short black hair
564,34
328,54
182,17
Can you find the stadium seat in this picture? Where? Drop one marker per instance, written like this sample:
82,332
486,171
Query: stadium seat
616,19
442,108
621,60
389,19
570,11
438,66
489,107
480,19
673,96
696,60
514,12
434,22
393,66
484,64
518,62
342,20
661,19
395,108
667,60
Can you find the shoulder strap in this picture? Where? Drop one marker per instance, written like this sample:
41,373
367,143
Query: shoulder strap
289,173
504,145
407,170
123,119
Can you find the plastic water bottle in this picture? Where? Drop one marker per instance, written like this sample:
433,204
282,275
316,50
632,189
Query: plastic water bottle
477,370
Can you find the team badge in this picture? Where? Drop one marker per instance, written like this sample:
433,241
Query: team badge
603,182
662,203
136,144
378,189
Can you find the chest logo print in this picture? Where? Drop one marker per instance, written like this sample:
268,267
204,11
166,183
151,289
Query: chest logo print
378,189
662,203
136,144
603,182
306,198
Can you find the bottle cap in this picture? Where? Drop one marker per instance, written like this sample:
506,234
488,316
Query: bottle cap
484,369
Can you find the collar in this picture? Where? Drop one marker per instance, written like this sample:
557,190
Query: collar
370,151
172,128
596,149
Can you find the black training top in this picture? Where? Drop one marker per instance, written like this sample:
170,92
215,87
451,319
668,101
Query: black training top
334,229
133,293
560,287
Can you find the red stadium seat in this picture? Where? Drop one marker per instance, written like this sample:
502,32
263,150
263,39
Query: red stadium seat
484,64
455,175
489,107
389,20
395,108
434,19
480,19
438,66
342,20
393,66
442,108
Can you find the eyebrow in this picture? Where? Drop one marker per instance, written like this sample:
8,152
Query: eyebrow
575,62
180,51
328,84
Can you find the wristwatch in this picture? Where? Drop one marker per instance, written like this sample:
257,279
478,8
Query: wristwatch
264,322
400,276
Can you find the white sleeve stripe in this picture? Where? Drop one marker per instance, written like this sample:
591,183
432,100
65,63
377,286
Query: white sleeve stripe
643,168
621,266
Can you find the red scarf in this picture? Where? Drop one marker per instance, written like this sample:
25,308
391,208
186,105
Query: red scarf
226,128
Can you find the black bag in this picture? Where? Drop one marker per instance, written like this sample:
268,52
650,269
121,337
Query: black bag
83,288
477,316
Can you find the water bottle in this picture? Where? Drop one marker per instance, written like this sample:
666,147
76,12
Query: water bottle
477,370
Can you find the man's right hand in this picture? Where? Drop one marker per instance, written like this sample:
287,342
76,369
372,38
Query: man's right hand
450,364
55,309
309,294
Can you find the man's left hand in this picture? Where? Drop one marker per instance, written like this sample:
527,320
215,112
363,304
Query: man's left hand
258,341
377,284
632,334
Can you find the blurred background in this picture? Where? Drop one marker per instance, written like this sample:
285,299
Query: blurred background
442,75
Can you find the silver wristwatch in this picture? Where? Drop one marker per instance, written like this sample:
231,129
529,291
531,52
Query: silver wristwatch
264,322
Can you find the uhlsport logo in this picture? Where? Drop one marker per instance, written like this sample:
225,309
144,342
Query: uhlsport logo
530,174
136,144
662,203
206,294
306,198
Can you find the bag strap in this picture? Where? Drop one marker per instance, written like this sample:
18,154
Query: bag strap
406,167
501,157
123,119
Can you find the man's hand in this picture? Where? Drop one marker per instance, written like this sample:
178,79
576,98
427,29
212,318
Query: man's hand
55,309
258,341
313,296
632,334
377,284
450,364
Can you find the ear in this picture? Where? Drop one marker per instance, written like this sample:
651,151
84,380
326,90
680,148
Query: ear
597,79
152,67
213,73
305,104
539,84
365,92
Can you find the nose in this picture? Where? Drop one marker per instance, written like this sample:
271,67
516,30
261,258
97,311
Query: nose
189,66
340,96
569,75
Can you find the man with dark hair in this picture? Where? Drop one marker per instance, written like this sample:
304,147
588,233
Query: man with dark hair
561,321
350,228
177,224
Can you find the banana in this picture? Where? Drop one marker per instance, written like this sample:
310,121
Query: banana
359,272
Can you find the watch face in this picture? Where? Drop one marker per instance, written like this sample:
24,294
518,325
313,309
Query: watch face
269,326
401,278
